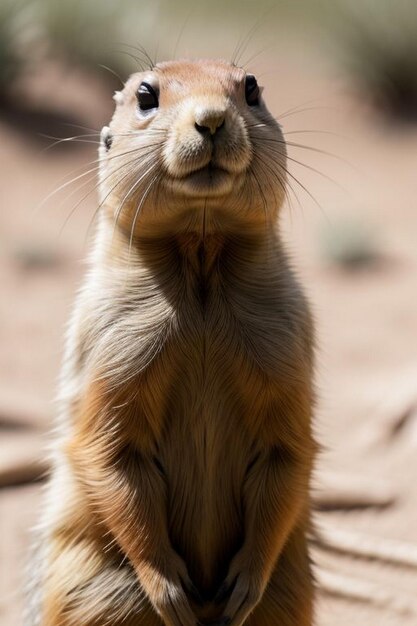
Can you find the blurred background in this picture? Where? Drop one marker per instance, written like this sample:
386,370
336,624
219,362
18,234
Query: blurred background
341,78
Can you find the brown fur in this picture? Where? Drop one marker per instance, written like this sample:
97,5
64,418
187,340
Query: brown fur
181,482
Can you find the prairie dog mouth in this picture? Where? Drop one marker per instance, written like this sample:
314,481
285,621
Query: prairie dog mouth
209,171
207,180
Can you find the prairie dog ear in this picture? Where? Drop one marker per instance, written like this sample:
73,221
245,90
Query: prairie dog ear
118,97
106,137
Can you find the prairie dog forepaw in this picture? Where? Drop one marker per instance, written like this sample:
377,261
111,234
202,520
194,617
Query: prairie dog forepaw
173,606
192,591
244,598
224,591
166,593
245,589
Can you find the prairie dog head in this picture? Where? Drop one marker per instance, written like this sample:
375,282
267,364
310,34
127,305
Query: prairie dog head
187,139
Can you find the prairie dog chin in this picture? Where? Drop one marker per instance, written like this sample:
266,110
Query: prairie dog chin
181,472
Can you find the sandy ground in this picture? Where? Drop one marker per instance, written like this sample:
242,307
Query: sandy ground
366,318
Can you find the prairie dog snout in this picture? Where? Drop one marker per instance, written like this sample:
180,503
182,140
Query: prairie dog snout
207,131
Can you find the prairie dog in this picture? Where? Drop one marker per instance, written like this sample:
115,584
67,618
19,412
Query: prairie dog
180,488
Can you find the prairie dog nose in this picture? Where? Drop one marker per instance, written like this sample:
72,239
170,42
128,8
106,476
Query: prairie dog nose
209,119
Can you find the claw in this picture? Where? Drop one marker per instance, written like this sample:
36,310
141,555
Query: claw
223,592
195,594
192,590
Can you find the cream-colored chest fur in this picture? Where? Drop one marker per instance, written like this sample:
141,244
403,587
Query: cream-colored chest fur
202,381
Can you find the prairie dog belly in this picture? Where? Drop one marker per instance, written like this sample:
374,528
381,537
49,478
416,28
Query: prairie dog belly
205,457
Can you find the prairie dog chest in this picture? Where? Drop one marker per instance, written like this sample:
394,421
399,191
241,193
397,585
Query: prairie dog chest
192,390
209,349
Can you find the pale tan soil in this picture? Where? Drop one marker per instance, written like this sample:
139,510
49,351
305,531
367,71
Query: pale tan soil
367,319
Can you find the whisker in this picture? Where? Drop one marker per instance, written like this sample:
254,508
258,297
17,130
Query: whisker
307,191
180,34
245,42
318,172
94,188
309,167
134,57
109,69
316,131
67,140
142,49
299,132
296,111
94,130
130,191
61,187
74,138
145,56
236,49
294,178
264,202
104,200
304,104
264,167
257,54
282,183
242,46
304,147
132,230
80,138
93,169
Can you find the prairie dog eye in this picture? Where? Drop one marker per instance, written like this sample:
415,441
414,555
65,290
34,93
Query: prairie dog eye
147,97
251,90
